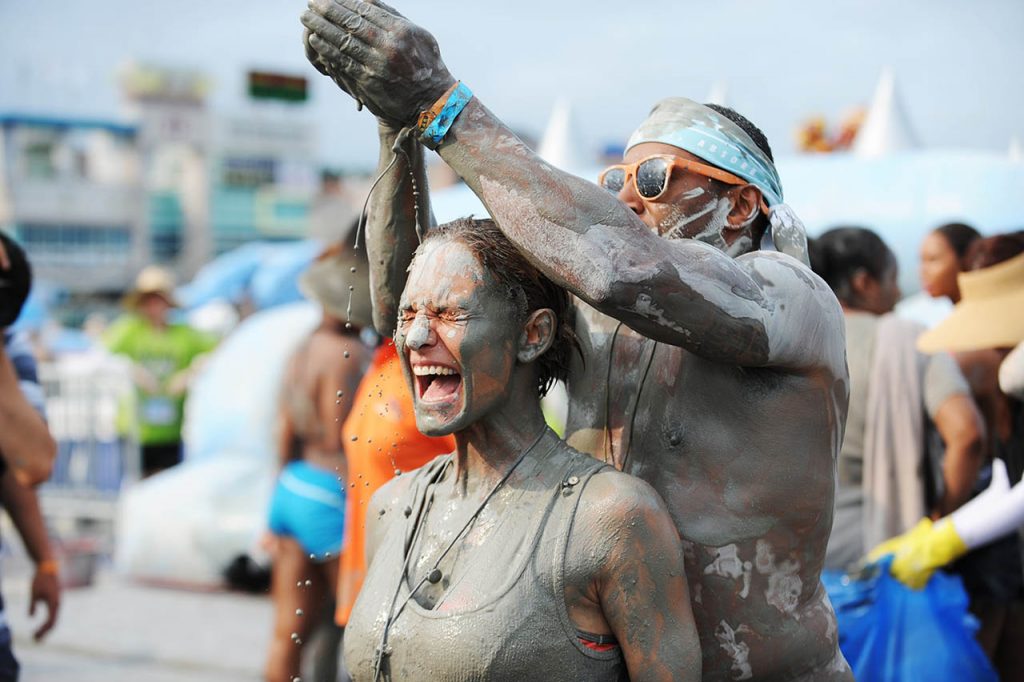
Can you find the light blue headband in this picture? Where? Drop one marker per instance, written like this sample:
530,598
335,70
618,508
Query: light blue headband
706,134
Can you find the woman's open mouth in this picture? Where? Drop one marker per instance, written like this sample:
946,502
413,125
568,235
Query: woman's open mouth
437,383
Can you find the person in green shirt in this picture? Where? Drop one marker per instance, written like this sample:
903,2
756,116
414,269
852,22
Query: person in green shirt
163,356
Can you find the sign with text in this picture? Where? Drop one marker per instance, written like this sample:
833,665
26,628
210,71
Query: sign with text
279,86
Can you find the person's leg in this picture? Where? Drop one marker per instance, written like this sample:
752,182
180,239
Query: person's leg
293,600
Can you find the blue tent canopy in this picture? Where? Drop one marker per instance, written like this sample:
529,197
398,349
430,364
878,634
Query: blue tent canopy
267,272
276,282
226,277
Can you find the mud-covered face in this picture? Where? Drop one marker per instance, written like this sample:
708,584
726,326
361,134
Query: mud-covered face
457,336
693,206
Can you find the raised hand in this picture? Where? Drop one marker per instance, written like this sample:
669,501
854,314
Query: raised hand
377,56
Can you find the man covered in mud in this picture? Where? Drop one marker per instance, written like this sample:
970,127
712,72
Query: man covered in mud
712,370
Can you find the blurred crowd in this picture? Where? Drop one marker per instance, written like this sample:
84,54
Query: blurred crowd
933,414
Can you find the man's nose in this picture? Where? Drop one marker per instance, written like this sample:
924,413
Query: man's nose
629,197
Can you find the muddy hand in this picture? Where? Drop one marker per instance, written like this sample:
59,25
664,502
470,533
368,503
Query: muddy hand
314,58
378,56
312,55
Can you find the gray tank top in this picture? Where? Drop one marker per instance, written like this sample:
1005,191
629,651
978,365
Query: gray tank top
517,627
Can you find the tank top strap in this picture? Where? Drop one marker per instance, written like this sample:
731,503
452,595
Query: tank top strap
575,481
425,477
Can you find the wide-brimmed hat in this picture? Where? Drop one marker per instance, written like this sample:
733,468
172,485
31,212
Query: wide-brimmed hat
990,313
153,279
339,281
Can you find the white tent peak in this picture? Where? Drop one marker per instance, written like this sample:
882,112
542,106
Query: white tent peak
1016,151
560,146
718,94
886,128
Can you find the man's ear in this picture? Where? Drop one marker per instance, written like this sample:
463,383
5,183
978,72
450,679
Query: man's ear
537,335
746,203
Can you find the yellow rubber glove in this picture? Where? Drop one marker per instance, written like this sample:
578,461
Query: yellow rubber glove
920,551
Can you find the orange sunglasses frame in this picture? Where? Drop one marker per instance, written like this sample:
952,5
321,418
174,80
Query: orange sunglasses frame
676,162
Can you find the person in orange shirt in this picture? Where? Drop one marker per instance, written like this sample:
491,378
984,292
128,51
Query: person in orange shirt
381,440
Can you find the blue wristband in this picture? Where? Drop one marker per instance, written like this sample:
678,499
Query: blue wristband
438,128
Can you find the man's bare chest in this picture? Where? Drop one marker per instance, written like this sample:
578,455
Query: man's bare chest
633,396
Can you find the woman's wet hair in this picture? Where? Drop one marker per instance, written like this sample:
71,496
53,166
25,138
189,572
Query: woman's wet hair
959,237
840,253
526,287
15,282
989,251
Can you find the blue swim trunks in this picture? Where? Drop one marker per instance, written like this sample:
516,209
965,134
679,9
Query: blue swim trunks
309,505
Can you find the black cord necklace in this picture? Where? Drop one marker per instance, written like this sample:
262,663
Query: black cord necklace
434,575
607,450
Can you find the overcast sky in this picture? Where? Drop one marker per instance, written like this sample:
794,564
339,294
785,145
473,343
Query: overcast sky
958,63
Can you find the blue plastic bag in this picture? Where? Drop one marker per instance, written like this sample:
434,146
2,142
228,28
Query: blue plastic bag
891,633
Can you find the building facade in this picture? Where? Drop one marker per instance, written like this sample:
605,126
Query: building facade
71,193
94,201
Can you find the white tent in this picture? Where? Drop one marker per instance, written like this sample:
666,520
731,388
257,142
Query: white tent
718,94
886,127
561,146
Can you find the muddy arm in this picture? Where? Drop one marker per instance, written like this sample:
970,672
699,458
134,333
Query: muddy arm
759,310
391,235
578,234
624,539
585,239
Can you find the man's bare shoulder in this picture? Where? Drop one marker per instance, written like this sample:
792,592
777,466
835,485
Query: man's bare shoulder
806,321
785,277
